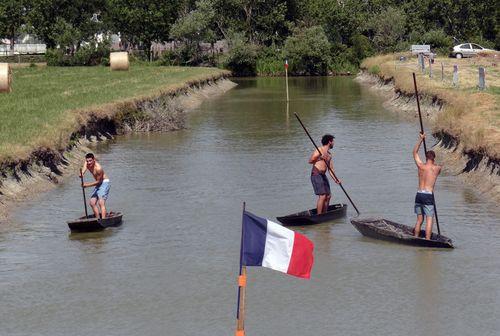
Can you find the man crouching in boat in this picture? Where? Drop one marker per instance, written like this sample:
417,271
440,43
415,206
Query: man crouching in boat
101,184
318,174
424,200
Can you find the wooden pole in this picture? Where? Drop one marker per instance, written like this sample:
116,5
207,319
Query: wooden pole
286,80
242,285
329,168
84,198
425,147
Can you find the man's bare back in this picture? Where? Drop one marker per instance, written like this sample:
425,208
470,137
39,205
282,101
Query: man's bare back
428,171
424,200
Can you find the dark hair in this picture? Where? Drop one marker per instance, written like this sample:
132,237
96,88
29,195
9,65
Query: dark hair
89,156
326,139
430,155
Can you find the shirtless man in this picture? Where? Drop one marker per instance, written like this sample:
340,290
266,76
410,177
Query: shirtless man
101,184
318,174
424,201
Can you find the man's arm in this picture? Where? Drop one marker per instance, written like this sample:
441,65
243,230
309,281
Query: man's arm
332,171
315,157
98,181
84,169
416,157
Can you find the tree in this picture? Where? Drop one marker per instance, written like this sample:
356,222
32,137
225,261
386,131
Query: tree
193,28
12,17
77,20
389,28
308,51
142,22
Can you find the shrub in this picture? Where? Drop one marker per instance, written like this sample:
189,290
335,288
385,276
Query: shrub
270,62
374,70
87,55
242,56
389,28
308,51
361,48
438,40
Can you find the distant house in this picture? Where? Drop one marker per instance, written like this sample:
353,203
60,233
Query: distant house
23,45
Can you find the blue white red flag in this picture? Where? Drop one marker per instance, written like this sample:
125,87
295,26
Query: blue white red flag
268,244
286,64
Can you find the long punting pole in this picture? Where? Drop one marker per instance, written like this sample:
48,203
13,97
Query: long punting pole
83,191
329,168
242,284
425,147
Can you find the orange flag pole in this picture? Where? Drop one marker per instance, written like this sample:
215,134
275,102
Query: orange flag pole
242,285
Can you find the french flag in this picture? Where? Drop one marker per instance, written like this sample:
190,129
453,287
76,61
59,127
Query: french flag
268,244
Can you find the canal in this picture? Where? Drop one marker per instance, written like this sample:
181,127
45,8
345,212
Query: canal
171,268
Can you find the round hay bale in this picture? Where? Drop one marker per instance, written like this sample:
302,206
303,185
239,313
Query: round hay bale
5,77
119,60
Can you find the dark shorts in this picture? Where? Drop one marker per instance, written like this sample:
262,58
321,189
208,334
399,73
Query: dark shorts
424,204
320,184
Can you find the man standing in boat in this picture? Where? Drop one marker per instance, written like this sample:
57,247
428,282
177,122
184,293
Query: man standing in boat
318,174
424,200
101,185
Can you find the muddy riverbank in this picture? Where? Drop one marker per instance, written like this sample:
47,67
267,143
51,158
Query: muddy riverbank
473,167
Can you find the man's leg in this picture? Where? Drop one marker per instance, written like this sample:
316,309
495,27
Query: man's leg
93,204
321,204
420,219
428,227
327,202
102,205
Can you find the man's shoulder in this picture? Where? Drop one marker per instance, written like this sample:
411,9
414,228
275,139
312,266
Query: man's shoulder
98,167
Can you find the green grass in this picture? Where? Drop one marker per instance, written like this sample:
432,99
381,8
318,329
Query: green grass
47,104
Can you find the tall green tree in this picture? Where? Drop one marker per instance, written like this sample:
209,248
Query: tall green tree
142,22
12,18
77,20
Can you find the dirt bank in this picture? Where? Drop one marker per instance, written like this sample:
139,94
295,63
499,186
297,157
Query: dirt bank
473,167
47,167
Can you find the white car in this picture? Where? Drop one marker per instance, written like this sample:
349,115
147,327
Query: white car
467,50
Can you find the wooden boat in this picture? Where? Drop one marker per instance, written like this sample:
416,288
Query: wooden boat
384,229
309,217
90,223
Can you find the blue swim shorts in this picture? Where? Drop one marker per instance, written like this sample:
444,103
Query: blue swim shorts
101,191
320,184
424,203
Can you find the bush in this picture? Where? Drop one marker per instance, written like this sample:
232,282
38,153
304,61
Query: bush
374,70
270,62
308,51
242,56
389,28
361,48
344,60
88,55
438,40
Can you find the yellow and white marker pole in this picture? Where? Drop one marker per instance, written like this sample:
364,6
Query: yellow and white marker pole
286,79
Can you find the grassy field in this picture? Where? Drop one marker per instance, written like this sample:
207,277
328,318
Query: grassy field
47,104
470,115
